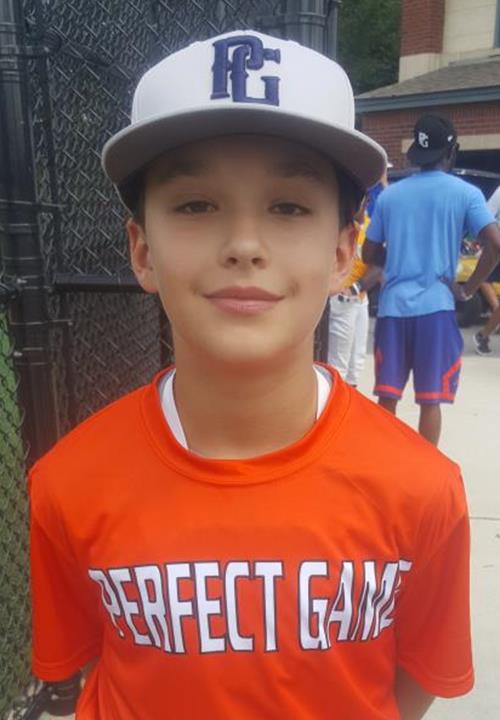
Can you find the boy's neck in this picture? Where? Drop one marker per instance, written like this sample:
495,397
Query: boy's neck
243,414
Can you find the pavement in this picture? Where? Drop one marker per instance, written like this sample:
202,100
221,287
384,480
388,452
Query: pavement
471,437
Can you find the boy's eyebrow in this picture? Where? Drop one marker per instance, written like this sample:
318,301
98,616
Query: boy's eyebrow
186,167
178,168
299,168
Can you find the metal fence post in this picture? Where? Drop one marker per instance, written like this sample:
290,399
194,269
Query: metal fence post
306,22
20,247
332,29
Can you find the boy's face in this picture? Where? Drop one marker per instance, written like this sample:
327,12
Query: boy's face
241,240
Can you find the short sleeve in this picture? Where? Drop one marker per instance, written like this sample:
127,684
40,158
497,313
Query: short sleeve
494,203
478,214
433,615
375,231
65,624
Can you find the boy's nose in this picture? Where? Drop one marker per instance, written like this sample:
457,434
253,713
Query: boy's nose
243,245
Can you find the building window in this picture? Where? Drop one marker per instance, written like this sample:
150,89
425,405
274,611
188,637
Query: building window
497,26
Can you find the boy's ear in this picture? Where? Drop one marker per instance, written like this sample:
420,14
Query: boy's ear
140,257
344,255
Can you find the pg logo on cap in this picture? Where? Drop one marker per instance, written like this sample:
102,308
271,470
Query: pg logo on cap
249,54
423,139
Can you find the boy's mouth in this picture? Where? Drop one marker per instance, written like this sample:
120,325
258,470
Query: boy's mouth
244,300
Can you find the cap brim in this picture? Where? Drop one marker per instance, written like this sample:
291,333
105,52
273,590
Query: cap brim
134,147
420,156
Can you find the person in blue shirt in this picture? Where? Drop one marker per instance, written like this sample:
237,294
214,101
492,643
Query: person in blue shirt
482,338
415,235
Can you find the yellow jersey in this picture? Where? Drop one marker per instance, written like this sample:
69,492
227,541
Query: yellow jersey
358,266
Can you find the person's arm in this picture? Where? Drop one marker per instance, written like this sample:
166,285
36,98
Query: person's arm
371,277
413,701
489,237
374,253
480,223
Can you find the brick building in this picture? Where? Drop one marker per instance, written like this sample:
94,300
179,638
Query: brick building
450,63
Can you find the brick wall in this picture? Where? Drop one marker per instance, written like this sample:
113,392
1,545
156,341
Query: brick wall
422,24
390,128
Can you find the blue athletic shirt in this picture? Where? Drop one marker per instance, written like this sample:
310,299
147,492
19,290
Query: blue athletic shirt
422,220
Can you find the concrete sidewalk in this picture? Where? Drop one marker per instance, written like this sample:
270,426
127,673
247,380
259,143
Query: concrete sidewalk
471,437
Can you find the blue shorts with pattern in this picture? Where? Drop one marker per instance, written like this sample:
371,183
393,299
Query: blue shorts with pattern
430,346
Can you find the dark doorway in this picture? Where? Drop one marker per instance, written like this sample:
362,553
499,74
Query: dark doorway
480,160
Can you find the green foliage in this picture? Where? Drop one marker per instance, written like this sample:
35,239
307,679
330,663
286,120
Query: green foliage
14,582
369,42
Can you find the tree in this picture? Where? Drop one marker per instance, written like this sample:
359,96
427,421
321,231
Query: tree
369,42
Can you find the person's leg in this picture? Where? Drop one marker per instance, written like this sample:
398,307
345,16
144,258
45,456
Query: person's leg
482,338
389,404
490,295
436,368
430,422
492,324
359,343
391,361
340,334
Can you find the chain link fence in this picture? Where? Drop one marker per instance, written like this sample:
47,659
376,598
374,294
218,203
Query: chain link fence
89,335
14,567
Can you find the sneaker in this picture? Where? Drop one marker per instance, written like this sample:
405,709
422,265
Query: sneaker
482,344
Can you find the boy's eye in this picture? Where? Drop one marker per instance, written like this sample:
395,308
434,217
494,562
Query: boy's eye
196,207
289,209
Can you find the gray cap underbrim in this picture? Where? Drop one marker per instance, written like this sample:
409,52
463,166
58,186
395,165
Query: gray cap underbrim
137,145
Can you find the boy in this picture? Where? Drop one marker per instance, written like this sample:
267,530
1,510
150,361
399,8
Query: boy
217,543
415,234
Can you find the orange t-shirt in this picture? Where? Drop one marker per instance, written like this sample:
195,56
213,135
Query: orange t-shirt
285,586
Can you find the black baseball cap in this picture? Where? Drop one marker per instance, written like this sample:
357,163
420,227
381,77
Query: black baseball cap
434,136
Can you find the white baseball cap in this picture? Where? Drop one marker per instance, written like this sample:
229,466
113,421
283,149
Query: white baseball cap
243,82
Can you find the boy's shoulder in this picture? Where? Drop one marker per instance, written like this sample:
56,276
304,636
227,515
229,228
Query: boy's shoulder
383,430
95,446
394,464
394,460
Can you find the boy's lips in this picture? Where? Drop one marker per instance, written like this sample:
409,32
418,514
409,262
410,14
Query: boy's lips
244,300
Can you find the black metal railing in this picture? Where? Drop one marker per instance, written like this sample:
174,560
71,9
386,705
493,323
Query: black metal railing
75,330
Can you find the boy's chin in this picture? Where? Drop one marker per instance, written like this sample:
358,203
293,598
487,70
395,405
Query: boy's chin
242,354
